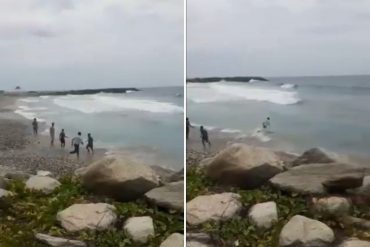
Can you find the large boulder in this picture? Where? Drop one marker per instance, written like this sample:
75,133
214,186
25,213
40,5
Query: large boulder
308,179
353,242
120,178
139,228
59,242
305,232
263,215
98,216
5,193
213,207
17,175
41,183
244,166
174,240
333,206
170,196
314,156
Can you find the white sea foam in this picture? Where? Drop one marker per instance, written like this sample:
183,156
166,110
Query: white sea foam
288,86
29,115
27,108
221,92
29,100
109,103
231,131
261,135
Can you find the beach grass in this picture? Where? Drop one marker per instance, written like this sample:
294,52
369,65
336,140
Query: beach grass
239,231
27,212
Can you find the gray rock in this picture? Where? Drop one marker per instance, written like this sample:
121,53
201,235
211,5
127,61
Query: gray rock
353,242
305,232
332,206
216,207
44,173
120,178
263,215
41,183
59,242
174,240
199,240
244,166
308,179
170,196
98,216
139,228
314,156
17,176
365,187
342,182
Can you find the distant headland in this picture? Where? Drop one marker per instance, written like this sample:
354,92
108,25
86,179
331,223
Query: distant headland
74,92
218,79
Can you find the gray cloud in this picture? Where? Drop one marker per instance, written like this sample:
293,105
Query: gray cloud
278,37
91,43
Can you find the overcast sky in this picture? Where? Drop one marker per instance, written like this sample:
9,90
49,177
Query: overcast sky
48,44
278,37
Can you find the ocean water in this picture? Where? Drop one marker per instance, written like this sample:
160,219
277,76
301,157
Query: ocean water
330,112
148,123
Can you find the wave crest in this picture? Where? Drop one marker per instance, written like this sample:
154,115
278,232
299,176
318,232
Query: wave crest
220,92
105,103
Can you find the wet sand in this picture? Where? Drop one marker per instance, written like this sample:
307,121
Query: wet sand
21,151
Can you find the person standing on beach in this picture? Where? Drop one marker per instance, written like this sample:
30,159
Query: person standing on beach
188,126
90,144
62,138
76,142
52,134
204,137
35,126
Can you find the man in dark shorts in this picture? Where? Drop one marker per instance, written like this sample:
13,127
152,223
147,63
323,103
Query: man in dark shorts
90,144
62,138
204,137
35,126
76,142
188,126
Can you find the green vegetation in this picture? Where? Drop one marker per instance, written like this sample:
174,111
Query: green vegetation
240,230
27,212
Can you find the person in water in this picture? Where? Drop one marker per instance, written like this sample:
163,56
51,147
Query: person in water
35,126
90,144
52,134
188,126
204,137
266,124
76,142
62,138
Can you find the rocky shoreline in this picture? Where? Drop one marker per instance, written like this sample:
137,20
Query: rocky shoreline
49,198
244,195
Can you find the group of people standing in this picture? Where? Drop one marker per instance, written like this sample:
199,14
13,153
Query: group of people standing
76,141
